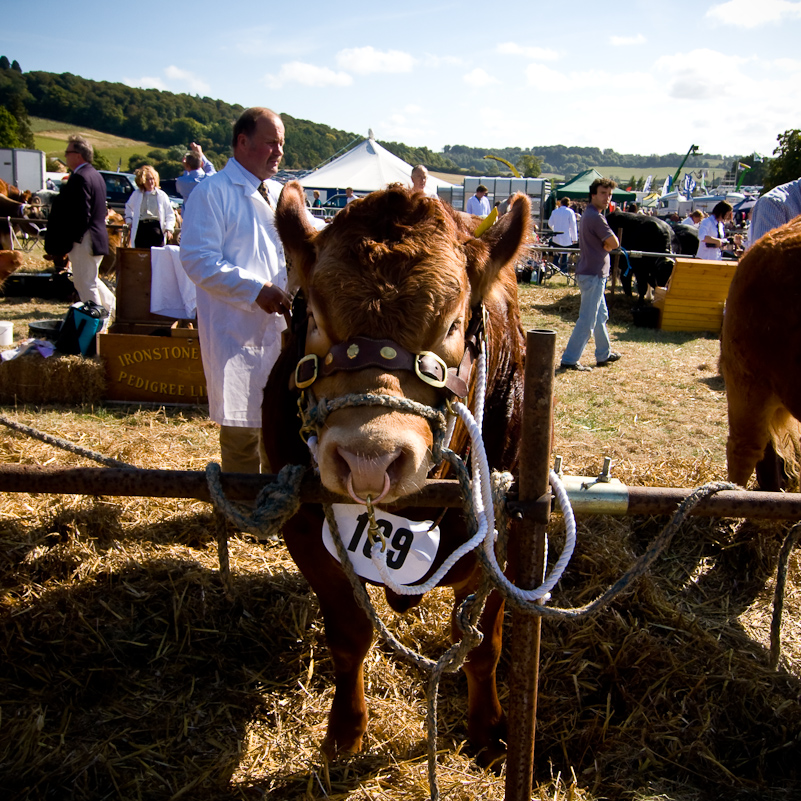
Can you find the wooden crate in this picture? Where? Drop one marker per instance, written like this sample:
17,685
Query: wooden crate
147,357
695,295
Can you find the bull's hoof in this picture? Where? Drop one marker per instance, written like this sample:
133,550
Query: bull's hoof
334,747
490,749
492,757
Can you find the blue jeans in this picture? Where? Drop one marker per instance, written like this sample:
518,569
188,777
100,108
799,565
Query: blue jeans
560,260
592,318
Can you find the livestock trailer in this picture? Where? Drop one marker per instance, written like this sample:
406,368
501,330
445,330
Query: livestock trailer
23,168
498,190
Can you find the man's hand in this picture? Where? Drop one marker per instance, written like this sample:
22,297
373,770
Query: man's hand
610,243
195,147
273,299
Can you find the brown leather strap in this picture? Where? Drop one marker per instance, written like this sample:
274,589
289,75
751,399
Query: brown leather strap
361,353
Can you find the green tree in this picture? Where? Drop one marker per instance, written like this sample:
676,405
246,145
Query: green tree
786,166
101,162
529,166
15,66
16,109
5,64
9,130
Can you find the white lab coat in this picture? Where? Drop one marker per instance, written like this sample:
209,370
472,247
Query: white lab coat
134,205
230,248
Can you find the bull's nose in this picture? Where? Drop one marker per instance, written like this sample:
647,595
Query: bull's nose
369,474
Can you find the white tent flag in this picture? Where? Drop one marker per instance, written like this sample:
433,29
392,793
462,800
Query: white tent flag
646,187
365,168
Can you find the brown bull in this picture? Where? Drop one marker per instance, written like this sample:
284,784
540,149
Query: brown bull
9,207
760,359
10,261
403,272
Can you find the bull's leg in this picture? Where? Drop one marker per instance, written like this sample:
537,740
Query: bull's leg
625,282
349,634
486,722
770,472
750,412
348,630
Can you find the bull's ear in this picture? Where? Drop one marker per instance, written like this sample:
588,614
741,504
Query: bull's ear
296,232
496,247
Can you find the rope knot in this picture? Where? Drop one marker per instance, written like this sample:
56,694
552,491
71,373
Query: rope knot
275,504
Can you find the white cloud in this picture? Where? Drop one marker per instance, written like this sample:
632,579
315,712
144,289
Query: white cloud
146,83
619,41
196,85
747,14
787,65
306,75
544,78
367,60
703,74
479,78
536,53
430,60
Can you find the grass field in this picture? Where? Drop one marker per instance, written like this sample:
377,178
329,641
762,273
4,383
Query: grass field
51,137
129,673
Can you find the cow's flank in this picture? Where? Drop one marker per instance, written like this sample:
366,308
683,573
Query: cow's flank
401,271
760,359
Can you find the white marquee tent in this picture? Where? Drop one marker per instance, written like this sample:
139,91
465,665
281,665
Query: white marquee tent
365,168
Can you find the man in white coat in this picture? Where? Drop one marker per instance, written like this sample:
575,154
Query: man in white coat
231,251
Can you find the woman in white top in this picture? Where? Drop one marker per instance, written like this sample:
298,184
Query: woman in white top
712,232
149,211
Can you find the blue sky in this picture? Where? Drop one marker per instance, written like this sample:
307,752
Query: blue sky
642,76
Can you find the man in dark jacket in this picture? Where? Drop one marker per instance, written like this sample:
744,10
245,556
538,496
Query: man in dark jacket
76,226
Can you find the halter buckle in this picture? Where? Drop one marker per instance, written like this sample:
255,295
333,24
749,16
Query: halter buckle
306,382
439,383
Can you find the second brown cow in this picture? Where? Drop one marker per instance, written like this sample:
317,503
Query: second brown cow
760,359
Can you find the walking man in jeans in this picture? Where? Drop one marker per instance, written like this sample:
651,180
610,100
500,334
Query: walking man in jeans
595,241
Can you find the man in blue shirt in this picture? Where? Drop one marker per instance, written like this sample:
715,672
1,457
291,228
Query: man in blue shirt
196,168
479,204
595,241
775,208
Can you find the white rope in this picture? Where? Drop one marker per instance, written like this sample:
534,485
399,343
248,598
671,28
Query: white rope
13,233
483,507
481,385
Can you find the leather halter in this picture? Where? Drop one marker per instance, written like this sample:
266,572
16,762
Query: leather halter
360,353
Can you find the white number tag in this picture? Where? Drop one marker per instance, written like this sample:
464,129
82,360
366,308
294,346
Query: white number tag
411,544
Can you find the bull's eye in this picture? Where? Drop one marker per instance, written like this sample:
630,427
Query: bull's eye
455,326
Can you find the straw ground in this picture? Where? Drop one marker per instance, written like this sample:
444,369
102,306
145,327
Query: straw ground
127,673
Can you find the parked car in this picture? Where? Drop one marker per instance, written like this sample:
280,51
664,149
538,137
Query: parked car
331,206
119,187
168,186
337,201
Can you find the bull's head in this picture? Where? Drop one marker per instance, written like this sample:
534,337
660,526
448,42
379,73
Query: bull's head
396,272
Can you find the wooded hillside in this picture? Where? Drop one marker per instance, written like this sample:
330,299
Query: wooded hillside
171,121
163,119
